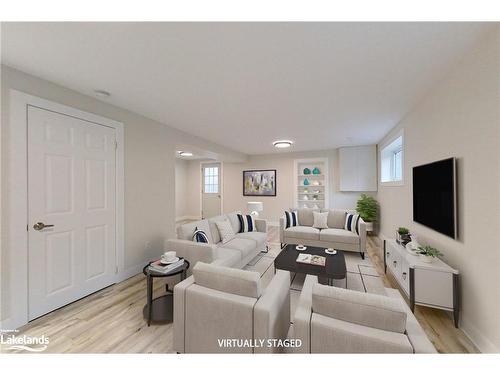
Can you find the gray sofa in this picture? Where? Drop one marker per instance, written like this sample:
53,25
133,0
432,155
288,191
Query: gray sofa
218,303
335,236
336,320
236,253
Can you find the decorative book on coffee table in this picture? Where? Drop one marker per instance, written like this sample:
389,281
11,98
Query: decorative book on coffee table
316,260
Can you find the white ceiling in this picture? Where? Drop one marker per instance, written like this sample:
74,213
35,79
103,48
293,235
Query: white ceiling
244,85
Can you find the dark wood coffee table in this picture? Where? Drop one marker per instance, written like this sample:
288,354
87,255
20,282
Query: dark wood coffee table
334,268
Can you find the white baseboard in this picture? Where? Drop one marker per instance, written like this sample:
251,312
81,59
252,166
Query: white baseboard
482,343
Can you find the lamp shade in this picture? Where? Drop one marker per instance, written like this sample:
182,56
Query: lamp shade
255,206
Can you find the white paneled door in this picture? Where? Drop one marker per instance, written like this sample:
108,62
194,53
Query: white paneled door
71,209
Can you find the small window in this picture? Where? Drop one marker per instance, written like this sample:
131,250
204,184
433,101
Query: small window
211,180
391,159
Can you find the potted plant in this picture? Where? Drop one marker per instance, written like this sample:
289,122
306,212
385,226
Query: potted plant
367,208
428,253
403,235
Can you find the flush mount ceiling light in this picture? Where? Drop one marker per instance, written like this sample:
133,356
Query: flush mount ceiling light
282,143
102,93
185,153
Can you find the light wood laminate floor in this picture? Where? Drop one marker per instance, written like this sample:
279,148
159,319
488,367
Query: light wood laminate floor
110,321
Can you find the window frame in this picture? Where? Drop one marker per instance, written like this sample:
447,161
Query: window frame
394,153
211,177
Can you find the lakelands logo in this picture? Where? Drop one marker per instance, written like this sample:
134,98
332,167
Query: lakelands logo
23,342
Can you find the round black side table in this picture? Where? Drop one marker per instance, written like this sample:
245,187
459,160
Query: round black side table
161,309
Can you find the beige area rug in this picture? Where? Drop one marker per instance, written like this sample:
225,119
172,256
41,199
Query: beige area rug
361,274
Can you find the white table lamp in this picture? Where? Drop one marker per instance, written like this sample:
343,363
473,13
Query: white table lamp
254,208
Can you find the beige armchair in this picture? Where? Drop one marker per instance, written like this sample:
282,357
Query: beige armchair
218,307
336,320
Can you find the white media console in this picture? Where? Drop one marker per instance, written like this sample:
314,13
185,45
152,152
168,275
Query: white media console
428,284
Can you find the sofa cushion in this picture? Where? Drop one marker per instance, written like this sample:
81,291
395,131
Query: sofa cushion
228,280
233,218
302,232
186,231
243,245
225,230
336,218
338,235
306,216
371,310
259,237
320,219
213,226
226,257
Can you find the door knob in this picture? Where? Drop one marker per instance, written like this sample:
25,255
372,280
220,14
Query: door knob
40,226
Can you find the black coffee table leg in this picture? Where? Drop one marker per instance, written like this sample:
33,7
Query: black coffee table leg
149,281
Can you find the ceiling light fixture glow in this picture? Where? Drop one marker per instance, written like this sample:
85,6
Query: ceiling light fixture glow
282,143
185,153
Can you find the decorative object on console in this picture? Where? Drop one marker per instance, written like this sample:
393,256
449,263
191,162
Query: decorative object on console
254,208
306,182
291,219
305,198
351,223
200,236
247,223
307,171
428,253
367,208
316,183
259,182
225,230
403,236
316,170
320,220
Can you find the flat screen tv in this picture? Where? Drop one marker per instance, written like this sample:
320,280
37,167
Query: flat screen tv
434,196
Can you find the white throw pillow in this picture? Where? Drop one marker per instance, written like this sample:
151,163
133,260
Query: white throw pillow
320,220
226,230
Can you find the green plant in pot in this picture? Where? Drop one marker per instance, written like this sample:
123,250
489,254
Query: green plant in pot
367,208
429,253
403,235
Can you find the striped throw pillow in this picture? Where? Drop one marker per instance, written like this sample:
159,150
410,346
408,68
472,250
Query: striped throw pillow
351,223
291,219
200,236
247,223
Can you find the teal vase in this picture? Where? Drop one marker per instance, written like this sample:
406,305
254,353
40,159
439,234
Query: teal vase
316,171
306,182
307,171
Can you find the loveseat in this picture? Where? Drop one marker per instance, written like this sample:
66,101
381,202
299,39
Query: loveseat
335,236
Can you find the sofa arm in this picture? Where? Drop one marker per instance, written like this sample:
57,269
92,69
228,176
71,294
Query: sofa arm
272,311
362,236
261,225
302,317
193,252
180,313
282,229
